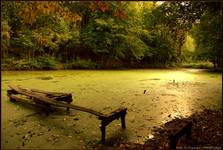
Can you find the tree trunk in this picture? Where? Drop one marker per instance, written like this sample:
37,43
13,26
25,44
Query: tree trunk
29,55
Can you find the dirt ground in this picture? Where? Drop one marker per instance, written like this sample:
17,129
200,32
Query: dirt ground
153,97
206,134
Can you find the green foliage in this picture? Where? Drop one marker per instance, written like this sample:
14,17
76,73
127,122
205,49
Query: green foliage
40,63
198,64
113,34
25,40
9,13
5,37
46,62
208,36
81,64
130,45
106,37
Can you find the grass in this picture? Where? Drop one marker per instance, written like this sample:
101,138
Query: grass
199,65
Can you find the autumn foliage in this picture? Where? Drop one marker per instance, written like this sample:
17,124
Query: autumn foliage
99,6
32,10
104,7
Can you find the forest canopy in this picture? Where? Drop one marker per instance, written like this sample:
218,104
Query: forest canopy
109,34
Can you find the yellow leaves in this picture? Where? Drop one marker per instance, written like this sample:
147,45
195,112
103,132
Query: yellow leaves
93,6
5,30
28,14
68,16
43,41
5,35
5,26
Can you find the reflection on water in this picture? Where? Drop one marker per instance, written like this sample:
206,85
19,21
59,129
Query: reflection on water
152,97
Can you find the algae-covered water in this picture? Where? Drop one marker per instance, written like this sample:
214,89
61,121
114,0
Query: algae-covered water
152,97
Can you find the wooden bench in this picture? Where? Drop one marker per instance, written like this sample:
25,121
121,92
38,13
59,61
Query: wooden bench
177,131
49,99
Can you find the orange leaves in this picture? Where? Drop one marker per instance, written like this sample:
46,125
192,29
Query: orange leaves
102,6
93,6
120,14
43,41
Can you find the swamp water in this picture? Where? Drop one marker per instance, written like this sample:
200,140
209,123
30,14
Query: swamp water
152,97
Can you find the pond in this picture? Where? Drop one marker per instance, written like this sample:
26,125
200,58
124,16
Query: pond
152,96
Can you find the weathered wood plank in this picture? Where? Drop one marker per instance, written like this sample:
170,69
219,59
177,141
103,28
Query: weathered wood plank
67,97
47,92
51,93
15,97
113,115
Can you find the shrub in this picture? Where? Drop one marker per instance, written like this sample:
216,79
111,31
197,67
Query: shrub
199,64
81,64
40,63
46,62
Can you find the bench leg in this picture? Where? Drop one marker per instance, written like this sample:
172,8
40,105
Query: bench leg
186,130
12,100
173,143
123,121
103,128
48,109
68,107
189,130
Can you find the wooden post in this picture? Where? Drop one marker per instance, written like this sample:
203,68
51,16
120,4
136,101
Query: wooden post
105,120
48,110
103,128
12,100
123,121
9,92
189,130
173,142
68,108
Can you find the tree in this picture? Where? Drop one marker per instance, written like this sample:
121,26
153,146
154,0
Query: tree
5,37
207,33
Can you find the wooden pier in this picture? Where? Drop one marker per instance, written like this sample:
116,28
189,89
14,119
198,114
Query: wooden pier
48,99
